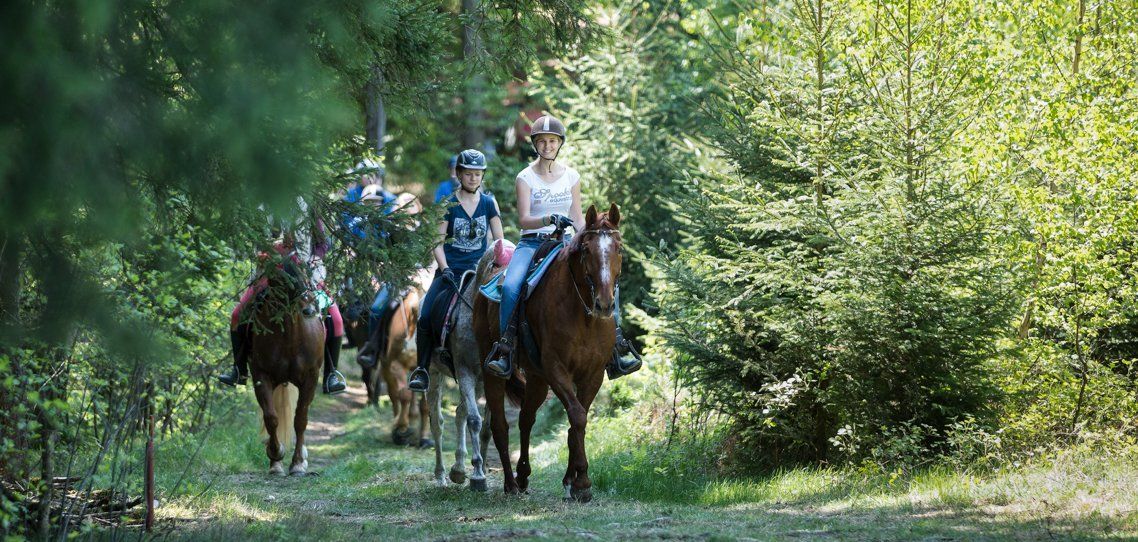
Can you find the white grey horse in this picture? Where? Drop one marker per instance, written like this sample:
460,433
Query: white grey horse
469,419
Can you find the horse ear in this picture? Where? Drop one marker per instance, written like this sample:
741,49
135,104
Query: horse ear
614,215
591,216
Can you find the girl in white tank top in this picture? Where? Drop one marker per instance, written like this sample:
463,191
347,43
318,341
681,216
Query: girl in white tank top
549,194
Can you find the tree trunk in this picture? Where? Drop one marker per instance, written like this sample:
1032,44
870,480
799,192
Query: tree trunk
11,250
376,122
473,136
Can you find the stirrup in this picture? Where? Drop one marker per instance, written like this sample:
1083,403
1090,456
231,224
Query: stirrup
419,380
624,363
334,383
500,362
233,378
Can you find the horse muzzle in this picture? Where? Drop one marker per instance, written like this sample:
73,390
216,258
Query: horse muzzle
604,311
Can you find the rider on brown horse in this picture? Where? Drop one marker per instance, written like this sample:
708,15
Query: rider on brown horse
470,216
303,248
549,198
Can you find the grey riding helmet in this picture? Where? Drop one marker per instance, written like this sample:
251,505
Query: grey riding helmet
547,124
471,159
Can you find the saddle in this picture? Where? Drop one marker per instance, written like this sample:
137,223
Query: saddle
451,317
542,258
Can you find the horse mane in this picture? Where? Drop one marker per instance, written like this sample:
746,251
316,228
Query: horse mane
602,223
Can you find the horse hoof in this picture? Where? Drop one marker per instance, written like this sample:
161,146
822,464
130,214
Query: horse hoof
478,484
426,443
401,438
511,490
276,468
459,477
581,495
297,471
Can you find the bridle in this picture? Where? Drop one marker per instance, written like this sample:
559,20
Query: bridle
588,279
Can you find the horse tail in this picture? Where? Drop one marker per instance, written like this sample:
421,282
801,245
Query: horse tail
284,402
516,388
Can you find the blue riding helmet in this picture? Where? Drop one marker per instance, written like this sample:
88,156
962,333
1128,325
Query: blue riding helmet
471,159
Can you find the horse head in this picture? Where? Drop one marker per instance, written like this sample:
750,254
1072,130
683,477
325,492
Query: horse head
595,257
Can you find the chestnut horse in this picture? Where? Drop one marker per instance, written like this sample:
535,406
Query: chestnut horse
286,347
571,316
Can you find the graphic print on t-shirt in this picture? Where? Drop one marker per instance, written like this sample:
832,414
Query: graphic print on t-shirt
546,196
466,240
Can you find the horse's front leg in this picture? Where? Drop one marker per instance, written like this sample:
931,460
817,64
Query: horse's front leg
300,422
536,390
581,490
263,388
469,388
424,418
576,481
458,469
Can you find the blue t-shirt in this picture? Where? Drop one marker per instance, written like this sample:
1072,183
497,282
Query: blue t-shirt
466,234
358,225
446,188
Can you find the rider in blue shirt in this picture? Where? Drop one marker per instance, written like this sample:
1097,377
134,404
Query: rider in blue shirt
449,185
471,216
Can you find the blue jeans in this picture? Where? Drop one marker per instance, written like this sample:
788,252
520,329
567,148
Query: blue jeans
378,307
515,277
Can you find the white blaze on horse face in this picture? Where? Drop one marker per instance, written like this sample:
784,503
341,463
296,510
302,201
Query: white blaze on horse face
605,243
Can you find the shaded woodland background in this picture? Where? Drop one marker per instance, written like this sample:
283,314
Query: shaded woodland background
882,235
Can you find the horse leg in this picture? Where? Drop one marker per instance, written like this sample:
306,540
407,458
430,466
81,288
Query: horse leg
495,403
536,390
300,423
263,388
434,398
458,469
484,435
424,418
469,388
576,487
582,485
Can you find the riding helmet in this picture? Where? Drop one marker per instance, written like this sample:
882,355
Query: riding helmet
471,159
547,124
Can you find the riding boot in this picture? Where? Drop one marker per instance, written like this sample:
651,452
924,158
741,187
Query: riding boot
625,358
333,381
500,362
240,372
419,380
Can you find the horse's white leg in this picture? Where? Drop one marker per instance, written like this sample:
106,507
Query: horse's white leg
434,403
458,470
468,387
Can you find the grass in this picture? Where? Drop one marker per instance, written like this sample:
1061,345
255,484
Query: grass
367,488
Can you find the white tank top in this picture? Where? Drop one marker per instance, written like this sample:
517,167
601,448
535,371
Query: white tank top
549,198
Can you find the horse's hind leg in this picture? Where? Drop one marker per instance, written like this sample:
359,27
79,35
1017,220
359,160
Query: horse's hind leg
300,423
263,388
536,390
469,387
458,470
434,400
495,402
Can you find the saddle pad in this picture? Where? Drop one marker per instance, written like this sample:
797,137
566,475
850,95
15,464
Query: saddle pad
323,301
492,290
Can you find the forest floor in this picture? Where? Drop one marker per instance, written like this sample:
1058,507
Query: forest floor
360,486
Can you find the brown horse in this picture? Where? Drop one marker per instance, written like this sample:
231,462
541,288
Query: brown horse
286,347
396,360
571,315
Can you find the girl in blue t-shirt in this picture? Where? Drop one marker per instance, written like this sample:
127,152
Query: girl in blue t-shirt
471,216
